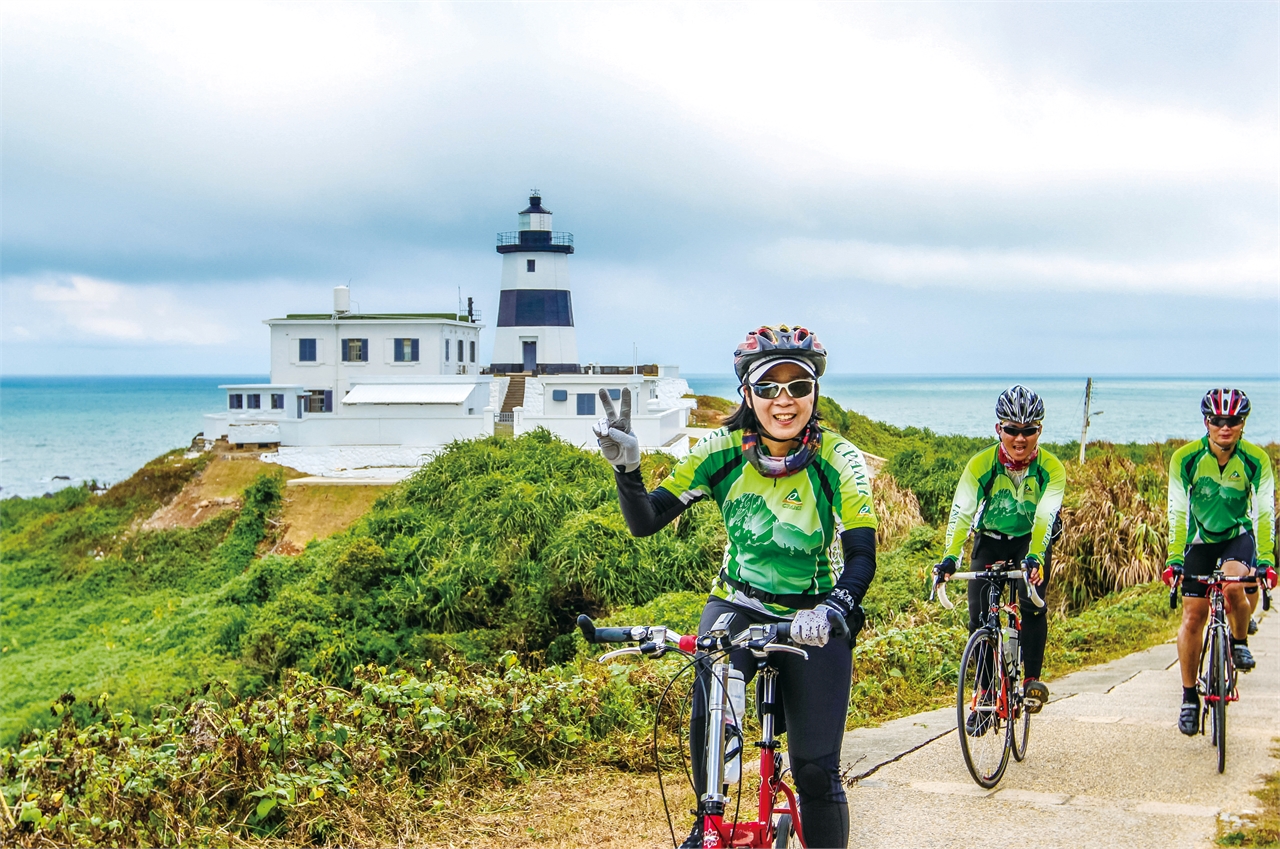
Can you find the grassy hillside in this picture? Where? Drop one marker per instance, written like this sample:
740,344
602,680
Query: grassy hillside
348,692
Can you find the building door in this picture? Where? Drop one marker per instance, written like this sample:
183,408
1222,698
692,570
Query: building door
530,356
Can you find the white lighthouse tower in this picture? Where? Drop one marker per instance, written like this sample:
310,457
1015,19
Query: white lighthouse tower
535,311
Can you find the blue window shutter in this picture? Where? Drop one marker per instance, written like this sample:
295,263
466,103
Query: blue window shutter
346,350
615,394
364,350
413,355
559,395
586,404
328,400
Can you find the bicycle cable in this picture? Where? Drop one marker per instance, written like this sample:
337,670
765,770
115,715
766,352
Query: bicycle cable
657,758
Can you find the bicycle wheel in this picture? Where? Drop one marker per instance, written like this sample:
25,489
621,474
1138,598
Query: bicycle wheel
1019,727
1218,688
786,833
984,737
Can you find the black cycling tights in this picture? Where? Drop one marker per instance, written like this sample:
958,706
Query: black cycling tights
1035,625
815,702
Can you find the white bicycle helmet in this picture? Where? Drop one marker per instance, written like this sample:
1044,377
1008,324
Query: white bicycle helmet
1020,405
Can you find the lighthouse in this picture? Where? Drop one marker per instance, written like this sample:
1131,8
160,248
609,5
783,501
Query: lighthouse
535,311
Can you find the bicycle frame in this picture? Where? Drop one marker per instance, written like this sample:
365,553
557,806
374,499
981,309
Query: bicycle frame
719,831
1009,693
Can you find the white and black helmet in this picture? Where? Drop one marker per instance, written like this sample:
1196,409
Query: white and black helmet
1020,405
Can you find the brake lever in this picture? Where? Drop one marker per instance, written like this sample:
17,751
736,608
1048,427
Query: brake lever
774,647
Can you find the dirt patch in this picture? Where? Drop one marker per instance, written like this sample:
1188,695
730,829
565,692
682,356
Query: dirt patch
217,488
315,512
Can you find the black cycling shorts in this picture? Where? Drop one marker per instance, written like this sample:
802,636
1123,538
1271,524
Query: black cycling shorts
1202,558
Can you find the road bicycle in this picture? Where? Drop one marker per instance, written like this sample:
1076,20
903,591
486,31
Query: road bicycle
992,711
1217,680
777,820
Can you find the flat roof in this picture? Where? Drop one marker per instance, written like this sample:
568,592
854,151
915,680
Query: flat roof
389,316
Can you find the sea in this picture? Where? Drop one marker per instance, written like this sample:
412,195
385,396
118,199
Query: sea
64,431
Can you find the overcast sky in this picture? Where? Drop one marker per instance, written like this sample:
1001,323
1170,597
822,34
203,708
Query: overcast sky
933,188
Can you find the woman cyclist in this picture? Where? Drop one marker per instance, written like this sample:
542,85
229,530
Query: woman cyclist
787,488
1015,488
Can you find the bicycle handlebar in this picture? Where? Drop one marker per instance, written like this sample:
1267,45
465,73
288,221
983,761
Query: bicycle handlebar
656,640
941,586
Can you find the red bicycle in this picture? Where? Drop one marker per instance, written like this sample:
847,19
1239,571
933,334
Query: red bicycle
1218,677
777,821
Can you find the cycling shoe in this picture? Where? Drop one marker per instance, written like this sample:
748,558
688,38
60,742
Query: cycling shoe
694,840
1189,718
1242,658
1253,626
977,723
1035,695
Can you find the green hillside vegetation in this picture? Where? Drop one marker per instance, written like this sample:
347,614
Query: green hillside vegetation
310,698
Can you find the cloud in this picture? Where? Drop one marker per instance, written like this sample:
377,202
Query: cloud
1240,276
102,310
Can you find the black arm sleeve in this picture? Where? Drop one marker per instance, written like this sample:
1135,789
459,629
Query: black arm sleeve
649,512
859,547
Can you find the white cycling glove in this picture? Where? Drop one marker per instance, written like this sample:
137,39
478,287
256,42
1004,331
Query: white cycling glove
618,444
811,627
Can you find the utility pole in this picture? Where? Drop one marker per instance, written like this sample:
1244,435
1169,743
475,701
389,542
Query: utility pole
1084,430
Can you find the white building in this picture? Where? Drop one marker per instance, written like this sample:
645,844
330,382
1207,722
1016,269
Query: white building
372,395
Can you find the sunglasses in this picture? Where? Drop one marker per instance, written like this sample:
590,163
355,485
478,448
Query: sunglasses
802,388
1226,421
1014,430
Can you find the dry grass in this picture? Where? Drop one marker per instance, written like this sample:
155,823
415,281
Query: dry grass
1114,528
897,510
315,512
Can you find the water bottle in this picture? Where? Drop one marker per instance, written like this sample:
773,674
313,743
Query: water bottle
1011,649
734,715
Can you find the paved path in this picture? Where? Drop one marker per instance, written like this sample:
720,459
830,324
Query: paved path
1106,766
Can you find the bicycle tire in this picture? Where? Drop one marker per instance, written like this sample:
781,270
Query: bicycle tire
1020,730
986,753
786,833
1218,686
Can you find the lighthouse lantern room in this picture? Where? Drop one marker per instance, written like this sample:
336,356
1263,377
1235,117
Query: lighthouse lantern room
535,310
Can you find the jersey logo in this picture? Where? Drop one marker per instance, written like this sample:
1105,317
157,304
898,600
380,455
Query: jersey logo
792,500
1235,476
866,510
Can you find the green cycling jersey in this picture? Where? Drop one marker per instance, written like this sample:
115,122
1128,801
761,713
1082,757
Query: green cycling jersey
1009,503
1210,504
781,531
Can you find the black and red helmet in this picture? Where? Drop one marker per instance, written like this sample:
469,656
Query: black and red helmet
1225,402
779,343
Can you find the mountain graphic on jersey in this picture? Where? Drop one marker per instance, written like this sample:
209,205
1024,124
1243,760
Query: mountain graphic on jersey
1006,513
752,525
1216,508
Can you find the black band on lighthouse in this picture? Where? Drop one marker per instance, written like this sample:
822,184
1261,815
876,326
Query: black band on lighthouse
535,308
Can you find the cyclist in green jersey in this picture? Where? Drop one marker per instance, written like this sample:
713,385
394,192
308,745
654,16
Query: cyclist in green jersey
801,529
1221,510
1010,494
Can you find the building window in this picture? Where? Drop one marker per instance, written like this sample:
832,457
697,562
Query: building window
530,264
446,350
318,401
355,350
615,394
306,350
459,350
586,403
473,351
255,402
235,401
559,394
277,400
406,350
